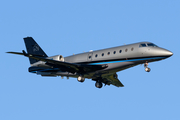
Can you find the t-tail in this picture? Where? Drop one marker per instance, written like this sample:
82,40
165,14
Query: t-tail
34,49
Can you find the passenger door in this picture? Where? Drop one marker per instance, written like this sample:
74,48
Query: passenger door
90,57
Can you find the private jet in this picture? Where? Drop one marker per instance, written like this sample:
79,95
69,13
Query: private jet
101,65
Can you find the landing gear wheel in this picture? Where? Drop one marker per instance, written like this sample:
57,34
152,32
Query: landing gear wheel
147,69
81,79
98,84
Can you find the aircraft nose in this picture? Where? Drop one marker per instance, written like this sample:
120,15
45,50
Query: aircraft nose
165,52
169,53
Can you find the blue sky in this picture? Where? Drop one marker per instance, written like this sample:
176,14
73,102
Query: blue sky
67,27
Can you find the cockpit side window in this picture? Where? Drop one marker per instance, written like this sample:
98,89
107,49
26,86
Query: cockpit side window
151,45
142,45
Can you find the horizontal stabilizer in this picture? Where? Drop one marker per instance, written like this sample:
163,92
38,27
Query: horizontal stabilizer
24,53
17,53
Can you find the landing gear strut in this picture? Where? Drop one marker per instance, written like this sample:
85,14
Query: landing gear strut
146,67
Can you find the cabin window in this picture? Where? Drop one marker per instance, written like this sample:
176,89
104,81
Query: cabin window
96,55
89,57
108,53
120,51
142,45
132,49
102,54
114,52
126,50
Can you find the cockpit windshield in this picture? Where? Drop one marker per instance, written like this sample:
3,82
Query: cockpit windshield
142,45
147,45
151,45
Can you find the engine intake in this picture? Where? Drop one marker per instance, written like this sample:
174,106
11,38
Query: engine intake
57,57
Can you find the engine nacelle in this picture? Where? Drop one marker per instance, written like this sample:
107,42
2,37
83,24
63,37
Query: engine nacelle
57,57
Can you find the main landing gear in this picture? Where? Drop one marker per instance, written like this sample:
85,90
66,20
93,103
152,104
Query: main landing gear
98,84
81,79
146,67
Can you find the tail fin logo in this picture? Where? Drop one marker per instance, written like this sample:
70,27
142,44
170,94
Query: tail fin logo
35,48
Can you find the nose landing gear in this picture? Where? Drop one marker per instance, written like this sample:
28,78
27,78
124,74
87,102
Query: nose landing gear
146,67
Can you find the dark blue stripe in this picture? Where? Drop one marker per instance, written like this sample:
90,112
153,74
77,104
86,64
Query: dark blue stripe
44,70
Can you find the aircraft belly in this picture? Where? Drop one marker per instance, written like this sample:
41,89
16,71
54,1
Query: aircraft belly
118,66
112,68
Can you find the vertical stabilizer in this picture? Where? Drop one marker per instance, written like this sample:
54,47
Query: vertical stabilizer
33,48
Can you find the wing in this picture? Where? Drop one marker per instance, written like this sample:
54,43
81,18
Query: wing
70,67
112,79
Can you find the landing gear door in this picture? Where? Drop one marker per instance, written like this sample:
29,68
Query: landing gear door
90,57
